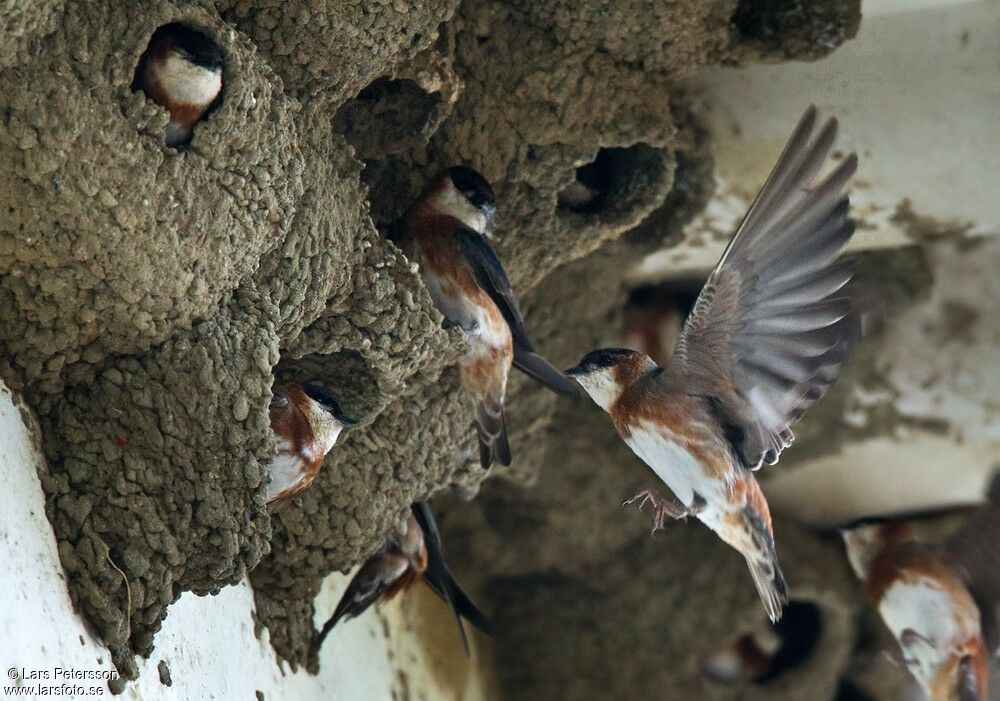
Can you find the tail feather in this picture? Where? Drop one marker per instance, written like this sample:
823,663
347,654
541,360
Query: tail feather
491,428
377,577
973,675
764,568
539,369
771,584
502,445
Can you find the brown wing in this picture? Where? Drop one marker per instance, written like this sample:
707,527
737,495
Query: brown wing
492,278
441,581
378,577
977,547
769,332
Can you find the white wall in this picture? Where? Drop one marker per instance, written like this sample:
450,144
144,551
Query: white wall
917,94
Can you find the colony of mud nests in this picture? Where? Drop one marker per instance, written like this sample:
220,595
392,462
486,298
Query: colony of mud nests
151,296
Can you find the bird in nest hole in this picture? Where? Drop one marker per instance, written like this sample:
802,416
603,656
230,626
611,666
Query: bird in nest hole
182,72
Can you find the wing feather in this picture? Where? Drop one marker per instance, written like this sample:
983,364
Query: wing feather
441,581
492,278
772,328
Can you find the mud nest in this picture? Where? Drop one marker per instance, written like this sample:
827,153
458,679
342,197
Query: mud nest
152,296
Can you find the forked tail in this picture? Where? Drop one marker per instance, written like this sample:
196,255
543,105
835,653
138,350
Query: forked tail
491,428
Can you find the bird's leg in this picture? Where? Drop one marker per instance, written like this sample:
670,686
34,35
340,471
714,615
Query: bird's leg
663,506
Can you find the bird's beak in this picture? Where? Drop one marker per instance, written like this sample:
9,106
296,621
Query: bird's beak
573,371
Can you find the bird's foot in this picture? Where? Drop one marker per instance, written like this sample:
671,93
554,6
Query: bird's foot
662,506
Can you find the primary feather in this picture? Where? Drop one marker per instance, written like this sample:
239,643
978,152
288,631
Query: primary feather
769,332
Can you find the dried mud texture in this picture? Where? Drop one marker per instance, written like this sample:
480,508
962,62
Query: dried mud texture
156,472
676,38
143,239
153,296
152,293
654,36
780,30
530,148
401,111
336,47
23,20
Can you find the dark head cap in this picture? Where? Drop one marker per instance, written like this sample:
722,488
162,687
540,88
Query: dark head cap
193,45
326,400
473,186
601,360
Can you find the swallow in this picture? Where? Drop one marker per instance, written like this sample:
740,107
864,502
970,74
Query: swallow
941,602
749,658
404,558
182,72
450,224
766,338
306,421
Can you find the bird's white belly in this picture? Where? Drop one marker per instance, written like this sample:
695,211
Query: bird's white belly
187,83
285,471
679,470
929,612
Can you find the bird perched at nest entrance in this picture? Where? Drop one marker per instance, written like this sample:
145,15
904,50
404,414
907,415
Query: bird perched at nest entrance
942,603
306,421
450,224
768,335
181,71
405,558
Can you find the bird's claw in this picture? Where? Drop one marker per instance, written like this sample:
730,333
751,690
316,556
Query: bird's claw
662,507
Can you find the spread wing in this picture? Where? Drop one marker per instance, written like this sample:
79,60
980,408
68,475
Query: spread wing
492,278
977,547
772,329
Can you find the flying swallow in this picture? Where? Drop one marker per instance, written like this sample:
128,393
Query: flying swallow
181,71
306,421
450,224
942,603
766,338
404,558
